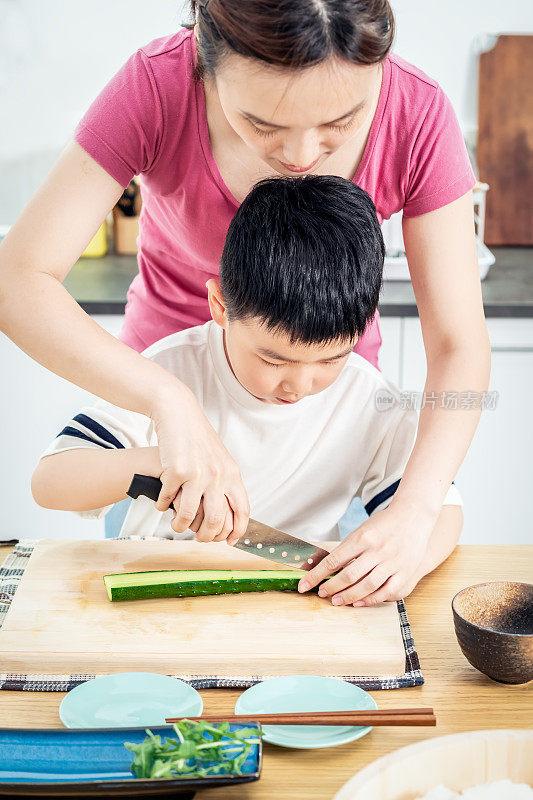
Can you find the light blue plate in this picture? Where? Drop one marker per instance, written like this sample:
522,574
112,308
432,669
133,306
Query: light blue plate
306,693
128,699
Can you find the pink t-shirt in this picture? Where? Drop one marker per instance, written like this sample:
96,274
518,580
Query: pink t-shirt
150,120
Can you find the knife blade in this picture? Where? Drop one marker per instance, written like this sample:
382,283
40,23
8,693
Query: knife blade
259,539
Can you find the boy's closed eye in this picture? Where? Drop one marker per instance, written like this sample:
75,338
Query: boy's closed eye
329,362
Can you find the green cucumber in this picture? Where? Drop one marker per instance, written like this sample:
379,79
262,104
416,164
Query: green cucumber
195,582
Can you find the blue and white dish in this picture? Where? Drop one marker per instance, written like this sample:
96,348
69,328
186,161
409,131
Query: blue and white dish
129,699
300,693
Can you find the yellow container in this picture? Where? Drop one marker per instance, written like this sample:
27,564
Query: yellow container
97,247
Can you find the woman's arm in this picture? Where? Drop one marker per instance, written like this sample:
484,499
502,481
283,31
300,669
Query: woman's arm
38,313
40,316
441,544
85,478
384,555
442,258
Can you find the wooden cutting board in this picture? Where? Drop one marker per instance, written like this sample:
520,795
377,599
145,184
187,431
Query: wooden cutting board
505,139
61,620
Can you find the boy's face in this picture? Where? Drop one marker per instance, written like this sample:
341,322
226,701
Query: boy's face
268,365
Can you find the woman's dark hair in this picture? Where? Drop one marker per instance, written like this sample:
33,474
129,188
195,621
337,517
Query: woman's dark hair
305,256
292,33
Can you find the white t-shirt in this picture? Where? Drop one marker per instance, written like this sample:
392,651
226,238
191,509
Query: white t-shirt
301,464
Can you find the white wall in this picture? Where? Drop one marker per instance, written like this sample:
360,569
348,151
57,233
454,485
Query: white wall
442,38
55,56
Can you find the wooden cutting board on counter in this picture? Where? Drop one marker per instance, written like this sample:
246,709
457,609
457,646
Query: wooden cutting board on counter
61,620
505,138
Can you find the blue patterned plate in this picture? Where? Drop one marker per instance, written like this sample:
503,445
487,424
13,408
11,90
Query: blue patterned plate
91,763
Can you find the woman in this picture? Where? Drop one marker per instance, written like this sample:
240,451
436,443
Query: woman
258,88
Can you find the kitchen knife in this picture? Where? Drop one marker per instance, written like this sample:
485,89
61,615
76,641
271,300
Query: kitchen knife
259,539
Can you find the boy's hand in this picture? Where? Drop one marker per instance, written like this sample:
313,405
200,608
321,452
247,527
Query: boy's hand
378,561
196,525
198,474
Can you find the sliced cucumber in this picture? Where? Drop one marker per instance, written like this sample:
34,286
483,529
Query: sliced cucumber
192,583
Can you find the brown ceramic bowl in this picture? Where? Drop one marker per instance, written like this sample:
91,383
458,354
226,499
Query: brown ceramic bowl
494,628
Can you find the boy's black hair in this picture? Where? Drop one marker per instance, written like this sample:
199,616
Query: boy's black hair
305,255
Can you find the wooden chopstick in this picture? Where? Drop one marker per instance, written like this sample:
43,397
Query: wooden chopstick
395,717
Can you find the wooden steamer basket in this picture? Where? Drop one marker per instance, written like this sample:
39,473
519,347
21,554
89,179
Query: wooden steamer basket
457,762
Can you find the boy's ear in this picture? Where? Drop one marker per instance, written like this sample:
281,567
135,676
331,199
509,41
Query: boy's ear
216,302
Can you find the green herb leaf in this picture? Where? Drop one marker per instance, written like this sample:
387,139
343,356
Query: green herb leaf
200,749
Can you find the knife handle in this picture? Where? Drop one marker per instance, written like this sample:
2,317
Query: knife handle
146,485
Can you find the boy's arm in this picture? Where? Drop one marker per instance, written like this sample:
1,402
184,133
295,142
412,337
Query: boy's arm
81,479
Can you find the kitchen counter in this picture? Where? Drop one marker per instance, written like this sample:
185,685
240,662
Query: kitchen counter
100,285
463,698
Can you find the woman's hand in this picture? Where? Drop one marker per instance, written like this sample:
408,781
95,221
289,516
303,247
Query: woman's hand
198,474
378,561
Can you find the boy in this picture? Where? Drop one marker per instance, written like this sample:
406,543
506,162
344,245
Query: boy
275,375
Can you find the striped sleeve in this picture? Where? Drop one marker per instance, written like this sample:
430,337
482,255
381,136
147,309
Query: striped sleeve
384,498
102,426
398,431
386,470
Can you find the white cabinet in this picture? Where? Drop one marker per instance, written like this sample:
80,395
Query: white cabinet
35,405
496,476
495,479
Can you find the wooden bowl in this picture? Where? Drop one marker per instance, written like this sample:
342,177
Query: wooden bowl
458,761
494,628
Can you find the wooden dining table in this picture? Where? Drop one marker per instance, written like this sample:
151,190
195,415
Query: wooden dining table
463,698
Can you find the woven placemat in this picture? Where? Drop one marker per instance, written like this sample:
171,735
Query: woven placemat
11,573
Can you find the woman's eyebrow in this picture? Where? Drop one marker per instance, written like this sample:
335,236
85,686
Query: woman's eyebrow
353,110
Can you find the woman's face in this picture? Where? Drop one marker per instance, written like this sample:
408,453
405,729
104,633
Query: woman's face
294,120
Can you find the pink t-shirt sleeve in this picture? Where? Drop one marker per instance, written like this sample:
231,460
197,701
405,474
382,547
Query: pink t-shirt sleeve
123,127
440,170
